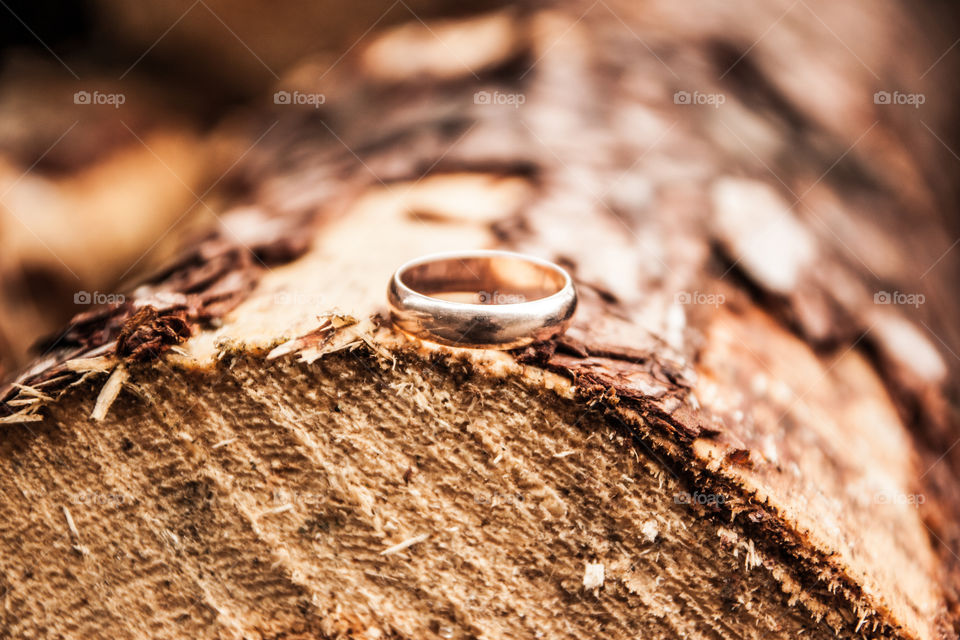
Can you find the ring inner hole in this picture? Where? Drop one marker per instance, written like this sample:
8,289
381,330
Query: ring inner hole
498,280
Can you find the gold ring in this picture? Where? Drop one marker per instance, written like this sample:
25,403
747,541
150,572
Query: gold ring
481,299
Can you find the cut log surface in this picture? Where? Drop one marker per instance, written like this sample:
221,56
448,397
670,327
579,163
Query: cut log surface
733,440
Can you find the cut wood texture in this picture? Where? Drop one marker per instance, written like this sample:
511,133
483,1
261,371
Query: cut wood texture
735,439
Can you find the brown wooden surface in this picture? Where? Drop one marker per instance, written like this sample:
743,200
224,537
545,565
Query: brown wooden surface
730,342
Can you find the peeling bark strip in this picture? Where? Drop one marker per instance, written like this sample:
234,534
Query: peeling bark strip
109,393
207,281
147,334
731,441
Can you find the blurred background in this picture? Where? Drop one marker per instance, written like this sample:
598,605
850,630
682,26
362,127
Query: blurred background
125,127
120,124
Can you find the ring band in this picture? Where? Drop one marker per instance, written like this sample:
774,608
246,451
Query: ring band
481,299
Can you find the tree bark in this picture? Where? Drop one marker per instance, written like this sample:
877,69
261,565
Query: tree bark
737,438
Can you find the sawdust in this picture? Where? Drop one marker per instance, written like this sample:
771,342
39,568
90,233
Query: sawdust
287,505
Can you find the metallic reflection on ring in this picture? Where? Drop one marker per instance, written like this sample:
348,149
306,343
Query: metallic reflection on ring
481,299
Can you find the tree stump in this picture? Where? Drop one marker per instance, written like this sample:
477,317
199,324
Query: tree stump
737,438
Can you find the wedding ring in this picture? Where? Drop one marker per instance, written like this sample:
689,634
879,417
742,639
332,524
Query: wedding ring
481,299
